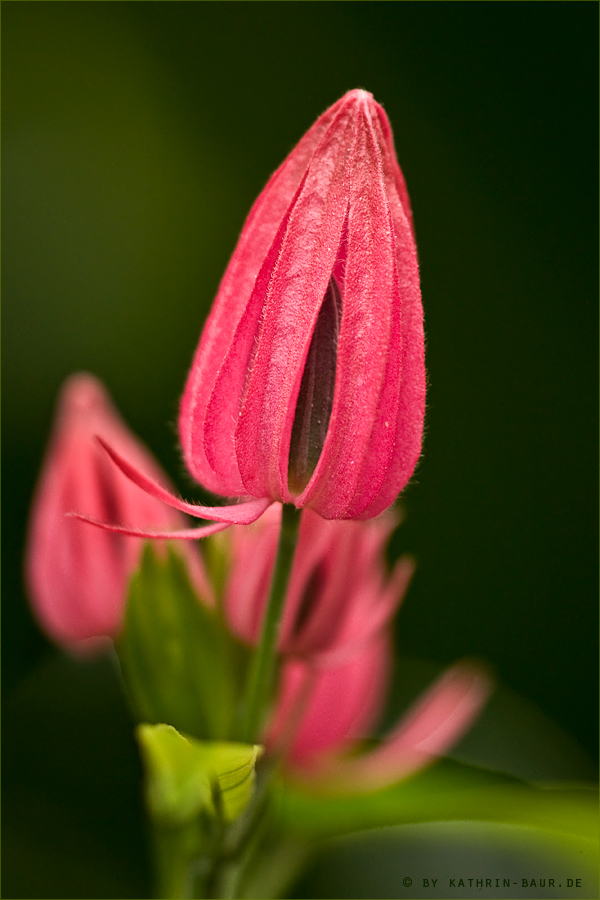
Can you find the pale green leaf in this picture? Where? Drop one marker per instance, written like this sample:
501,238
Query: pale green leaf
448,791
185,777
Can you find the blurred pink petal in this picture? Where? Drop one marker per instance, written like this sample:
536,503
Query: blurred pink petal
252,552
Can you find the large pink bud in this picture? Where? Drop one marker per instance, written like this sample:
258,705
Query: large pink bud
308,384
77,575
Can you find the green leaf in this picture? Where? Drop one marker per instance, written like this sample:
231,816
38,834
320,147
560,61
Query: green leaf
185,777
374,863
179,664
447,791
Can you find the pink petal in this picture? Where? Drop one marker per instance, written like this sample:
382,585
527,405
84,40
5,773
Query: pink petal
366,406
299,276
253,553
408,424
224,405
364,621
440,717
342,704
391,170
317,586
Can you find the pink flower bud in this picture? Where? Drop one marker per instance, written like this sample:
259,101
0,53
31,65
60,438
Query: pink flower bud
322,711
78,576
308,384
320,714
339,593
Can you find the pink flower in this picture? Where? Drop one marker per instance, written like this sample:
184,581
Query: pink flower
308,384
77,576
321,714
339,594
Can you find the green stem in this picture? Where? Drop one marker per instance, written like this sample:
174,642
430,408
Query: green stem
174,852
260,676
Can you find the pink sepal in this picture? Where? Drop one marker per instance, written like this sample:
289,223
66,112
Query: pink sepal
238,514
238,282
183,534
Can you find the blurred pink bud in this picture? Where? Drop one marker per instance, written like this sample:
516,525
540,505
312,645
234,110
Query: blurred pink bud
323,711
339,593
78,576
308,384
320,714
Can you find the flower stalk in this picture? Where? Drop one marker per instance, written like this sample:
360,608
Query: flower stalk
262,666
174,865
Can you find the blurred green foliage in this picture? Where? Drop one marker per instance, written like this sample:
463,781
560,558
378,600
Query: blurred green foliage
135,137
178,662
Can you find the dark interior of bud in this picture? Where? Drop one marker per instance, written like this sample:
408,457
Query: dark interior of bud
315,400
308,602
110,506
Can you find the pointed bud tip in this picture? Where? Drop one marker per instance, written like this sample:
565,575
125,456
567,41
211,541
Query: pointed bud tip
83,391
357,101
358,95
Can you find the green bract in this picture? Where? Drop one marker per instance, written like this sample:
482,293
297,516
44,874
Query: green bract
185,777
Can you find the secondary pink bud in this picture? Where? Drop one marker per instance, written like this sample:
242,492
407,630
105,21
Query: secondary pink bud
320,714
77,576
308,385
339,594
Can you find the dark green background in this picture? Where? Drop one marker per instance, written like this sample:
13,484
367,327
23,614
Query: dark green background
135,138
